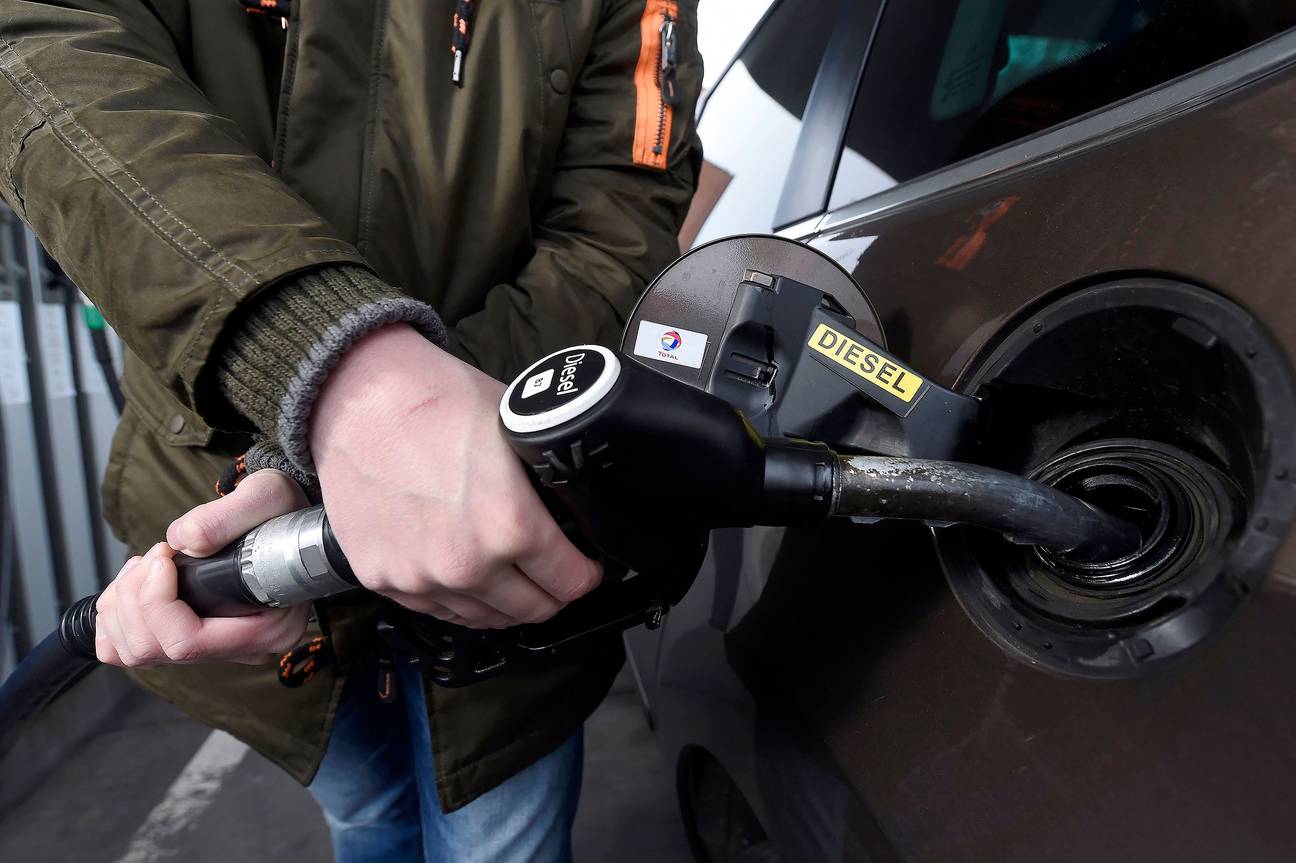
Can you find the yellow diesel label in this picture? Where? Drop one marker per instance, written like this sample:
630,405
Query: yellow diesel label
878,370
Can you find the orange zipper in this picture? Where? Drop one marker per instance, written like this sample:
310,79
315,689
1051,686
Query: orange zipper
655,85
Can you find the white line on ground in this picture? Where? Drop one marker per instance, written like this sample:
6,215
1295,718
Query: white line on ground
191,792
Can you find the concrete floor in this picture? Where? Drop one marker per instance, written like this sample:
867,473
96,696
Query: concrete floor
101,802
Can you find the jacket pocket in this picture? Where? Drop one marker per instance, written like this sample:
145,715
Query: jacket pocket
149,481
656,87
552,33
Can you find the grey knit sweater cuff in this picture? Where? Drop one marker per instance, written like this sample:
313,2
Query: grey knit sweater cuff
286,345
266,455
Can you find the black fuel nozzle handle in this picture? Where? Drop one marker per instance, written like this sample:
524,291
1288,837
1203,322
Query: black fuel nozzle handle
635,456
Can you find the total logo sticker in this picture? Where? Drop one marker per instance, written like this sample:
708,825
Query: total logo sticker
670,344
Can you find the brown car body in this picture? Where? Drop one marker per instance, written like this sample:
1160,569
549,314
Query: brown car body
831,677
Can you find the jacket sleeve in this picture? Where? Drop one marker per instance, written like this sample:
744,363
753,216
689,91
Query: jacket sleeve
611,224
152,203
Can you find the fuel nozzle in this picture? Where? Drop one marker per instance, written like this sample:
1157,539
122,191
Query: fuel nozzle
636,456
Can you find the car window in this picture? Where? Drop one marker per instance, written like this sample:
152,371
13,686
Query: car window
948,79
752,119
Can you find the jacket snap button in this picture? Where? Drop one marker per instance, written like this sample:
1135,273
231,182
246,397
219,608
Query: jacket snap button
559,80
176,424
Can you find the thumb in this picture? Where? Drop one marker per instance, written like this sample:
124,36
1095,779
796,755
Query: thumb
207,528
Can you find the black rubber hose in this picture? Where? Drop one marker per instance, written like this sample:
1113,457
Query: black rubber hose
1027,512
211,586
103,356
98,336
44,674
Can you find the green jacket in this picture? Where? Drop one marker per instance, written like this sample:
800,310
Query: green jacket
178,157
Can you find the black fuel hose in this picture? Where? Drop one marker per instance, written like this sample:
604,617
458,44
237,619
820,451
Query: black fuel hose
44,674
211,586
936,492
103,357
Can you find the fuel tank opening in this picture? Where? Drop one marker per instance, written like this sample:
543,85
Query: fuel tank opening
1184,508
1155,401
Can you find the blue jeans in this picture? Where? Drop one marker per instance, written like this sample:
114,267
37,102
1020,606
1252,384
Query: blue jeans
377,788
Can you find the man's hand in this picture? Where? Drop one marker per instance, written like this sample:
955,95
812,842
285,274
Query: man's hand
141,621
430,505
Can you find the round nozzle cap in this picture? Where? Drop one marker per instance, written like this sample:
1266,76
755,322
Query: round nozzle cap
559,388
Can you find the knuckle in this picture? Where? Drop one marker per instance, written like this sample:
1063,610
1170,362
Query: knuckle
149,606
184,650
375,578
380,575
142,648
398,580
151,603
459,570
514,534
388,584
205,531
569,591
578,584
110,591
543,529
459,578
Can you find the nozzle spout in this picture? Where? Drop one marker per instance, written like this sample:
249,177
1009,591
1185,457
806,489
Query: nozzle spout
944,492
